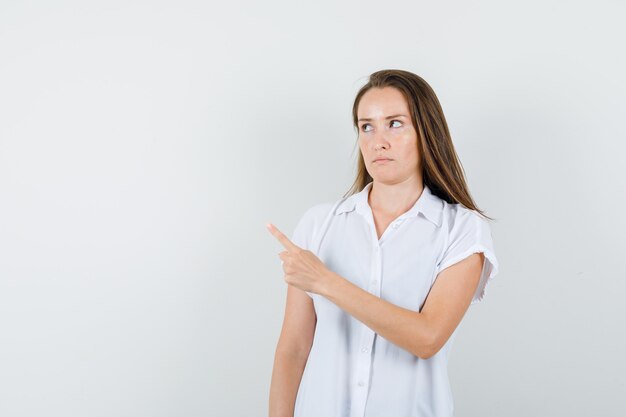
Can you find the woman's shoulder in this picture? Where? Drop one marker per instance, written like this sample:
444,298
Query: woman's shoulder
457,216
311,220
318,210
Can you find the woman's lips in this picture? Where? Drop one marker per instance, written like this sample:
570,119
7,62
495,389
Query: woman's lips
383,160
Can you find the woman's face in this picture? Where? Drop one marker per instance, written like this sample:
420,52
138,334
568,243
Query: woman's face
385,130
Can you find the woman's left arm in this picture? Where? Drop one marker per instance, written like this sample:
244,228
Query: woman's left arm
421,333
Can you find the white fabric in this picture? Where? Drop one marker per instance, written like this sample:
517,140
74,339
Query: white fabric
351,371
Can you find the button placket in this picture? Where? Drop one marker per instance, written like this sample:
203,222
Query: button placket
376,270
362,378
364,361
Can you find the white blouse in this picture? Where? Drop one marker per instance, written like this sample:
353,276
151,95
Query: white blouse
352,371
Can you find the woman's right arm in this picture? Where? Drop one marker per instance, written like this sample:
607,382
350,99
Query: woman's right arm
292,352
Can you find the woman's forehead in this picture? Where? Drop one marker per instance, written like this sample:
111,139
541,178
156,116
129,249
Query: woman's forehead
382,103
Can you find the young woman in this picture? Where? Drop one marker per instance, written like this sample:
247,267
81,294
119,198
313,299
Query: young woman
380,279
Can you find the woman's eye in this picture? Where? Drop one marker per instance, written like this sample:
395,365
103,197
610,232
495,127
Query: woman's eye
367,124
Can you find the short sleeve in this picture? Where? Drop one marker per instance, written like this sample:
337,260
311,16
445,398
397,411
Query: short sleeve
471,234
303,233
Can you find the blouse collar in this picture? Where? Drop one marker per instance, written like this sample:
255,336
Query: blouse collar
428,204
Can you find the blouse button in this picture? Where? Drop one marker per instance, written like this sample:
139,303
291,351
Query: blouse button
361,383
364,350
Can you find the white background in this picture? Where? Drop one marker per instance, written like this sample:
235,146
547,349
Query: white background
144,146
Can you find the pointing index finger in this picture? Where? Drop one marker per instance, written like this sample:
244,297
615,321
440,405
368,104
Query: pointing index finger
282,238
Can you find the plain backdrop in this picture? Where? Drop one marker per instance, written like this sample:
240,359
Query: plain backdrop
145,145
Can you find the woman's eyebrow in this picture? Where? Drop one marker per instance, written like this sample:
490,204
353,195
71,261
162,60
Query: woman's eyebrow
386,118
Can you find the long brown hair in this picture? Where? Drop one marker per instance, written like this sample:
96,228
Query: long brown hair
441,168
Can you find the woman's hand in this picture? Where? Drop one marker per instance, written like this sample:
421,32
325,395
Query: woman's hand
302,268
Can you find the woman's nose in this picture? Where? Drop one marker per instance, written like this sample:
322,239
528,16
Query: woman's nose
380,141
